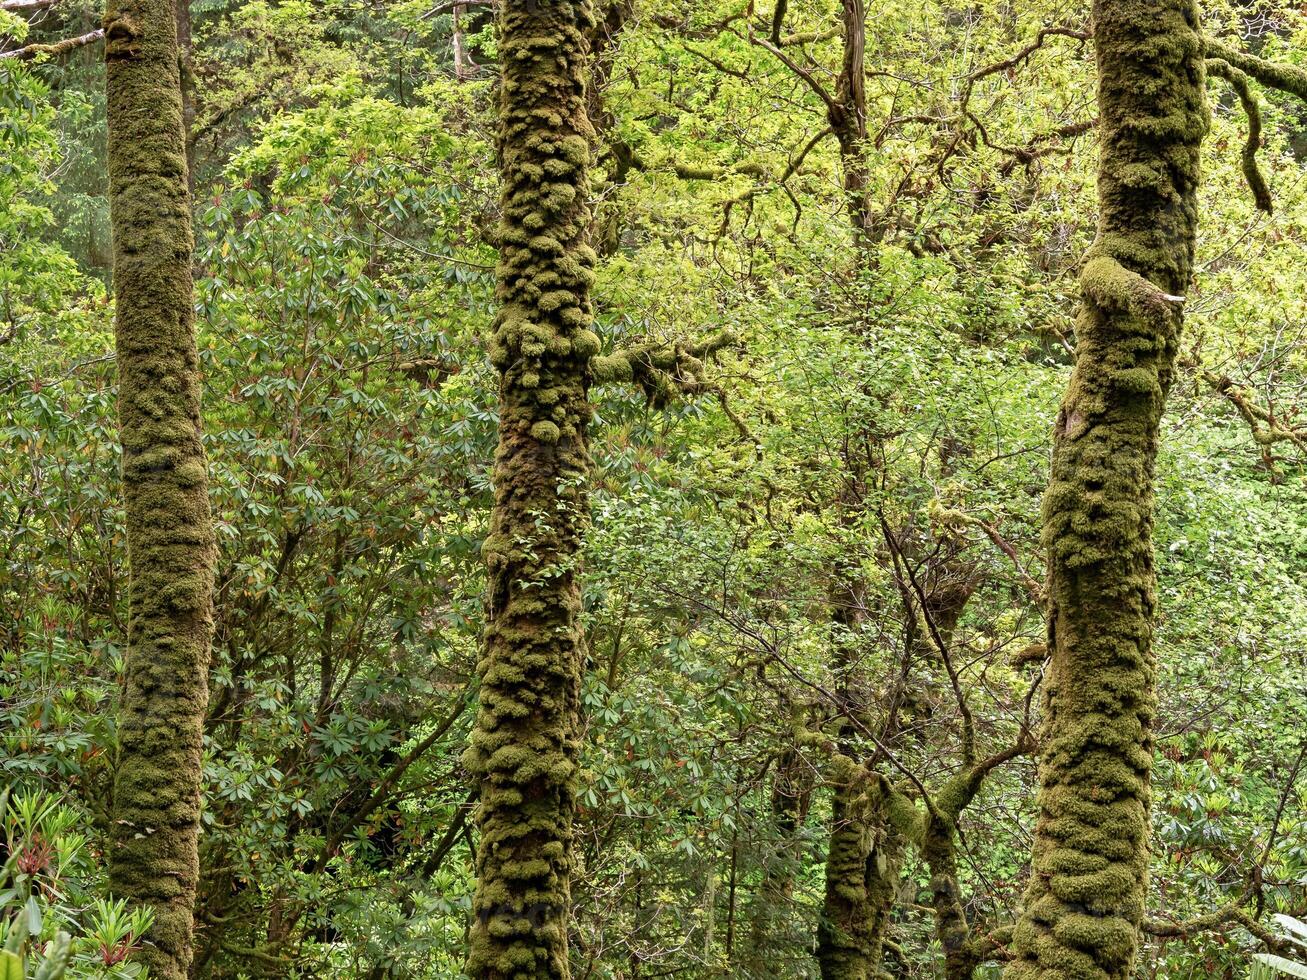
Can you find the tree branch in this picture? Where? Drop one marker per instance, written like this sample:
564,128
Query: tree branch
662,369
1266,429
25,6
54,50
1252,173
1285,78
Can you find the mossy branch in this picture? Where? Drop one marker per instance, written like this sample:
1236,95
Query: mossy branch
1232,913
1284,78
1109,285
1266,429
663,370
32,51
689,171
1252,173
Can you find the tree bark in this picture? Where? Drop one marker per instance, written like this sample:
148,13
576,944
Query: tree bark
1088,884
523,749
862,857
170,541
862,869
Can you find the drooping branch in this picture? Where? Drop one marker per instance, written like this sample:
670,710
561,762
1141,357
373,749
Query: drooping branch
1252,173
54,49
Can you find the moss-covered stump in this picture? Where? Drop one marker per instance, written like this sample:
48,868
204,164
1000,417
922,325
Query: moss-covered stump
1090,860
156,805
523,748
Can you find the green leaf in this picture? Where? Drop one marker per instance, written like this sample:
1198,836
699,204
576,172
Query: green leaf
1279,966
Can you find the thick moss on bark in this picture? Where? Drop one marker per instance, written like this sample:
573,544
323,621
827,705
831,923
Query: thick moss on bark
156,804
1090,860
523,749
862,869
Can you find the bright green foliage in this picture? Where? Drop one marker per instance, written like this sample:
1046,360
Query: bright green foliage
50,925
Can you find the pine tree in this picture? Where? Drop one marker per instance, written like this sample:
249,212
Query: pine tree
1085,901
156,806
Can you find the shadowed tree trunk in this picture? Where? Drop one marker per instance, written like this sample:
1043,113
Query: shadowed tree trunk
864,852
523,749
170,542
1089,874
862,870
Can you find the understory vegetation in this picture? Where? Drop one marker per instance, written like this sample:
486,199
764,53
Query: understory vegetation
734,658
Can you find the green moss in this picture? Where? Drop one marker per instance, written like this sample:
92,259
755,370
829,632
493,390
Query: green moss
1090,858
156,805
862,869
523,748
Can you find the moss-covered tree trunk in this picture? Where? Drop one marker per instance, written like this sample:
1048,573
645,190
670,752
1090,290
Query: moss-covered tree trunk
863,853
170,543
1090,858
862,870
524,746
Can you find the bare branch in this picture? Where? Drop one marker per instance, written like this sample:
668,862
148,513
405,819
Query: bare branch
449,6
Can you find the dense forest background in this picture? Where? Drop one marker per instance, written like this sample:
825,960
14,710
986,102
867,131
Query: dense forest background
855,243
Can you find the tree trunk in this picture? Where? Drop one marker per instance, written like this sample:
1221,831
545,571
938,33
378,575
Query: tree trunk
862,869
862,858
186,54
156,805
848,119
523,749
951,926
1090,858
